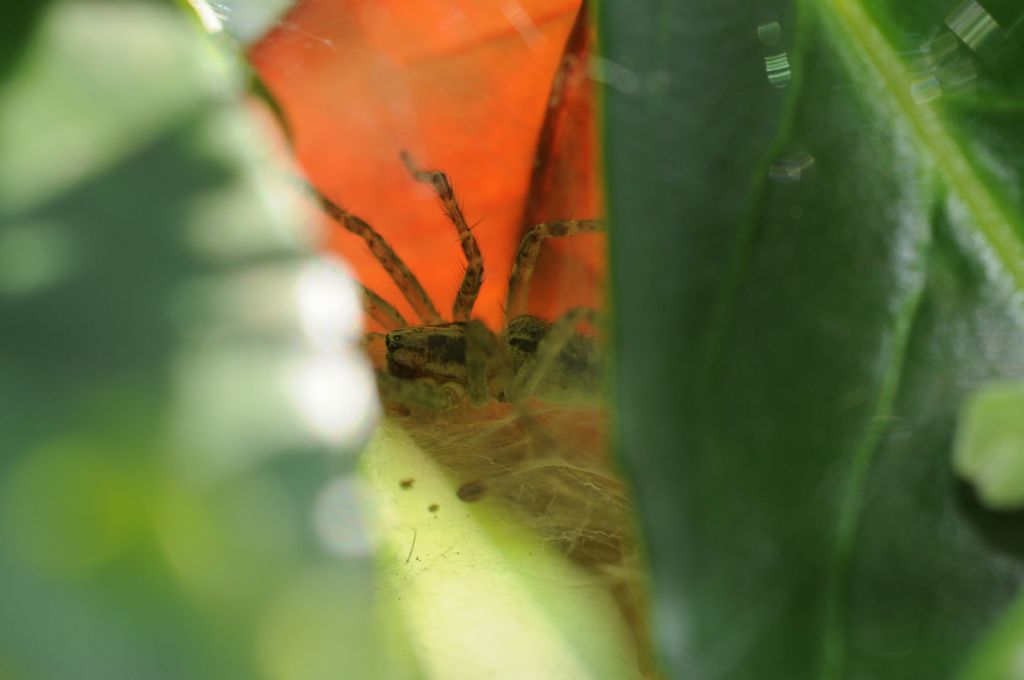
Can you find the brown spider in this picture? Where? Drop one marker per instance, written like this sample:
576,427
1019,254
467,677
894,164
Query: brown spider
561,485
438,364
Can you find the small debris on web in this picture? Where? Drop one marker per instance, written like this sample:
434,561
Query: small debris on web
471,492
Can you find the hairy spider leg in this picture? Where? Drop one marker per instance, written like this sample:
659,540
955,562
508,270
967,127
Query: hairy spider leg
408,285
526,259
381,311
481,349
473,276
420,392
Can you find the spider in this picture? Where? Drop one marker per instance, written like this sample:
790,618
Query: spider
439,364
461,391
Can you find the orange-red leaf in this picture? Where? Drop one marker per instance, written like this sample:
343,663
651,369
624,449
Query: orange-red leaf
464,87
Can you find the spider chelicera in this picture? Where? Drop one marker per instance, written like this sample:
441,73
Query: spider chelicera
439,364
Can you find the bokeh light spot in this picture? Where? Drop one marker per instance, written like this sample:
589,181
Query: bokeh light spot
340,520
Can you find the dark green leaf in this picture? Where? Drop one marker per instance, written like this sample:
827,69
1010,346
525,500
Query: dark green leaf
16,32
817,216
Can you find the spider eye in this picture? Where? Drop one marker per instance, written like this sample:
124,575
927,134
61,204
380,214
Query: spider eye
391,341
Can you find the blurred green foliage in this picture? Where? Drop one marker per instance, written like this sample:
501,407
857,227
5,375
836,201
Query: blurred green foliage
16,32
162,492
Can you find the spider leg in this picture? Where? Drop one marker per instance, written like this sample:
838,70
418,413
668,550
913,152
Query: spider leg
473,277
526,259
406,281
481,347
421,393
381,311
486,364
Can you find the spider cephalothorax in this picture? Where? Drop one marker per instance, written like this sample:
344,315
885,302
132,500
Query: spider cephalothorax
434,352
